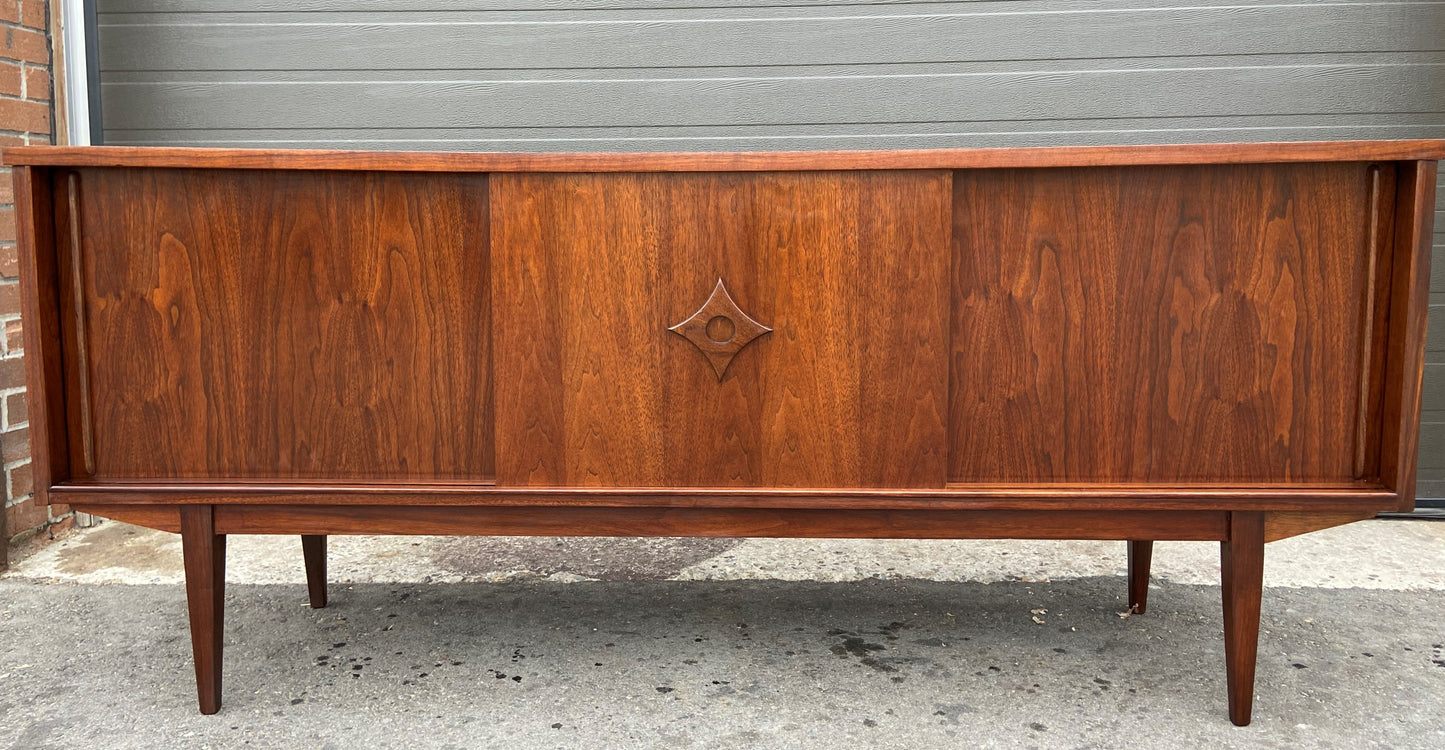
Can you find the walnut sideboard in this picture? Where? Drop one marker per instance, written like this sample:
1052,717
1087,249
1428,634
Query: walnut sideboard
1209,342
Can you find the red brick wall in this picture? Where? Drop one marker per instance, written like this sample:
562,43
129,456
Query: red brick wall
26,112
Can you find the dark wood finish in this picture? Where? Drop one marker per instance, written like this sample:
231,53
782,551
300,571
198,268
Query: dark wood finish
848,269
1375,320
1283,525
1300,497
204,552
313,549
1158,324
79,404
1405,347
274,325
1213,342
40,310
1141,553
154,516
1242,570
720,329
1277,524
984,158
716,522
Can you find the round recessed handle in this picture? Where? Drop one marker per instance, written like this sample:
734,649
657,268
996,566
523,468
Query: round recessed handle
721,329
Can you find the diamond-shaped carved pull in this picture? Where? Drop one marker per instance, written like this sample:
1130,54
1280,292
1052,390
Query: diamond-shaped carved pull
719,329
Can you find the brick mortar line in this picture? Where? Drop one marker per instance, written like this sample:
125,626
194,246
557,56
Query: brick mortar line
5,410
10,480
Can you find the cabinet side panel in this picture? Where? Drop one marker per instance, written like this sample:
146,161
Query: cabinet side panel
1159,324
40,310
1405,347
263,325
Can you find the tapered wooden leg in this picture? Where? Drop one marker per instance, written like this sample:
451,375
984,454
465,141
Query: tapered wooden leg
313,548
204,552
1140,554
1242,562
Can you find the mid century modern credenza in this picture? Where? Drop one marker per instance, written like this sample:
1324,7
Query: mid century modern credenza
1207,342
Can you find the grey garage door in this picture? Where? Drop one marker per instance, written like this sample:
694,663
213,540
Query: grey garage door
765,74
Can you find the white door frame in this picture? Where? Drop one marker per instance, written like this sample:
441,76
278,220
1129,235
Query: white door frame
77,71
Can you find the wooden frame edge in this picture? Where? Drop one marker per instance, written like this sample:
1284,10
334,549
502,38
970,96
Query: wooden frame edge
1277,524
1003,498
720,522
1283,525
41,329
159,517
737,161
1405,346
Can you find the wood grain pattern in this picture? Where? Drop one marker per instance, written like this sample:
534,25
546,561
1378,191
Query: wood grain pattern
1170,324
1375,325
81,400
700,522
1165,351
848,269
756,161
277,325
1362,497
1409,303
165,517
1242,578
41,312
1365,395
313,553
1284,524
203,550
720,329
1141,554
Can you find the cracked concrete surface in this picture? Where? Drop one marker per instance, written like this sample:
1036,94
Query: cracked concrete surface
541,642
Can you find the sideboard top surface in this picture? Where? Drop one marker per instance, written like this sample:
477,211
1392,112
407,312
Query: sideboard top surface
980,158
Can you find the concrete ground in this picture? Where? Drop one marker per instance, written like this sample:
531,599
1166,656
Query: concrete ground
538,643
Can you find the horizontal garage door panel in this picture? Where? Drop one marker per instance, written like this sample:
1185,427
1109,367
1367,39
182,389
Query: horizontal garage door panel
1326,89
756,36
